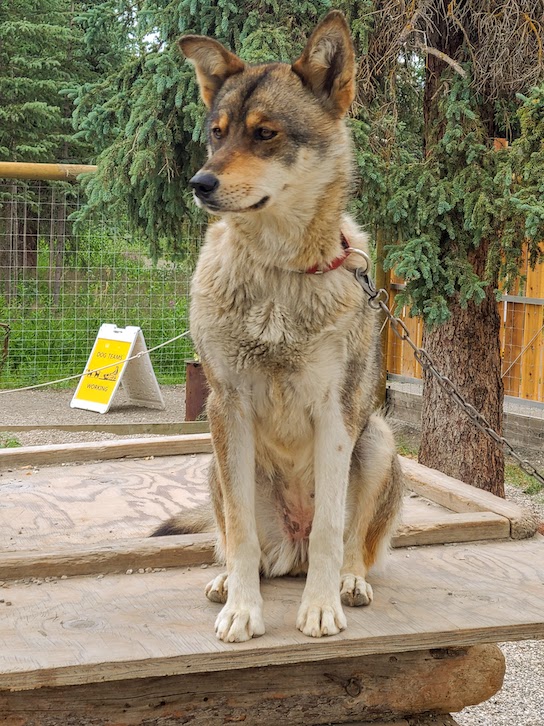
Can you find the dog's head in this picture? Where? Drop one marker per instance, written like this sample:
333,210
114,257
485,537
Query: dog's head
270,125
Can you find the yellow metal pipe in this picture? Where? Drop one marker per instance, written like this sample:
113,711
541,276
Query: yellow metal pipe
57,172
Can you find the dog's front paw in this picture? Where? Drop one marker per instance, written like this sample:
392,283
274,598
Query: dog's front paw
316,619
236,624
355,591
217,589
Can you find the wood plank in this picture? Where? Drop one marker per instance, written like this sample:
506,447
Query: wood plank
512,332
120,429
533,337
450,528
308,693
84,630
460,497
444,490
103,450
106,557
96,518
97,503
186,550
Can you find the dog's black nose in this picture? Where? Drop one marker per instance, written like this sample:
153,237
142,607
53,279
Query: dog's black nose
204,184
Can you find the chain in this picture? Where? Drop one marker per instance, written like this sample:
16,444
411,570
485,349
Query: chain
377,299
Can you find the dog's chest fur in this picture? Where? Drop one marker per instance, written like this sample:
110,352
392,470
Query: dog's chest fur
281,332
283,338
285,342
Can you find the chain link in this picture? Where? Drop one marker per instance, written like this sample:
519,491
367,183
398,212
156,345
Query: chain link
378,300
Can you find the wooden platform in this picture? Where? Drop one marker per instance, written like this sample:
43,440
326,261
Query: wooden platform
85,602
90,629
96,517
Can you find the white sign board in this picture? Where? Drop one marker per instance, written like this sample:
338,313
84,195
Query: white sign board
98,384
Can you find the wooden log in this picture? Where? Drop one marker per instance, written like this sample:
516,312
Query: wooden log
460,497
341,690
57,172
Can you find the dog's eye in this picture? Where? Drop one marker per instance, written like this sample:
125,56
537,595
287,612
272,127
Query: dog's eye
216,132
264,134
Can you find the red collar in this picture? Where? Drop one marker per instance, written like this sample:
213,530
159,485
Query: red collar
316,270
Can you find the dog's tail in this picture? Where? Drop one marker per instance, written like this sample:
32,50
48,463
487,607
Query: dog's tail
189,521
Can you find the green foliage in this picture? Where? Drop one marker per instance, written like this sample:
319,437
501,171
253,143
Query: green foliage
41,54
461,195
516,477
33,44
8,441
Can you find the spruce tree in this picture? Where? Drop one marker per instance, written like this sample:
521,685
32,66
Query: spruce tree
42,54
34,42
458,213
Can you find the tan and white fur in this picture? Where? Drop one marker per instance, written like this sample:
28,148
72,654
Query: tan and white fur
304,477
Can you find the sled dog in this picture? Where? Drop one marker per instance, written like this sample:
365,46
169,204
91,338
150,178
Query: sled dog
304,477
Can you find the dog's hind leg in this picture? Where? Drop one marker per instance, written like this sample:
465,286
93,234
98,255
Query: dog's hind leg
373,509
217,589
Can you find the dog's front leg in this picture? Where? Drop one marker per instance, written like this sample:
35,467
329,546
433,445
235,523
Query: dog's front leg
321,611
232,433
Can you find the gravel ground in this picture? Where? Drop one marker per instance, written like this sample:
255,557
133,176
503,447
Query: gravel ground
519,703
52,408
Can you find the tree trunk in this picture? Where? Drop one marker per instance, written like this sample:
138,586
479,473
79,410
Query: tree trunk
467,350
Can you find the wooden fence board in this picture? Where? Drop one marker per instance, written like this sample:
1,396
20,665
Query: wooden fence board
521,323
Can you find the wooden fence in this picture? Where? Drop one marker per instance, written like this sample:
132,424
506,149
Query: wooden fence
522,337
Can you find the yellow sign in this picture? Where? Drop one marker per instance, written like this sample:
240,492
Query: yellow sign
106,367
99,385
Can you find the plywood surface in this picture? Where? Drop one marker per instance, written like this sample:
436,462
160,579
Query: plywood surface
97,502
112,501
82,630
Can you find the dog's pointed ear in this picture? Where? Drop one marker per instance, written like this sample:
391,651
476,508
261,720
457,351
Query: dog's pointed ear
213,63
327,64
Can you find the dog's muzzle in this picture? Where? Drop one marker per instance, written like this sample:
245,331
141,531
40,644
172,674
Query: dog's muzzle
204,185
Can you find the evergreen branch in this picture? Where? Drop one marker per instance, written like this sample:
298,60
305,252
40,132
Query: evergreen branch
443,57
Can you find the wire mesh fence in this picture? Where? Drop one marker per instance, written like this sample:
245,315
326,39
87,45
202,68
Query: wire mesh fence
59,281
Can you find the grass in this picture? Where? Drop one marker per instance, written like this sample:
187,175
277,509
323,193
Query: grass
8,441
106,279
407,448
518,478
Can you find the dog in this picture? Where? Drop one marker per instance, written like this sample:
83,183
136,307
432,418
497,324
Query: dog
304,478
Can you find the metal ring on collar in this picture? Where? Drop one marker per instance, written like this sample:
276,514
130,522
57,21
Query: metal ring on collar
363,254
